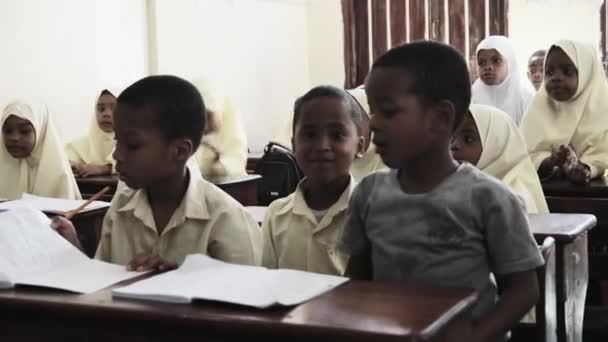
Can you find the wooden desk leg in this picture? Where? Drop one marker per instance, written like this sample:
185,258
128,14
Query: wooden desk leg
573,277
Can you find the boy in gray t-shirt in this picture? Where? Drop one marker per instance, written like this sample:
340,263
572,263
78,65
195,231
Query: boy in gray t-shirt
432,220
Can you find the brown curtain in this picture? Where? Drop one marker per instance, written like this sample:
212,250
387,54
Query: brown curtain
356,42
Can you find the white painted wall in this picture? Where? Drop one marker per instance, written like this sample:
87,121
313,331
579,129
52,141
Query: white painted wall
62,52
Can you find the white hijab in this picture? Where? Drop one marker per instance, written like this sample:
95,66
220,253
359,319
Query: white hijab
505,156
97,146
370,161
513,95
581,121
46,172
230,140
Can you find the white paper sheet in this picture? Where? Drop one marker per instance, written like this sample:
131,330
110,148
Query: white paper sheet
51,205
201,277
31,253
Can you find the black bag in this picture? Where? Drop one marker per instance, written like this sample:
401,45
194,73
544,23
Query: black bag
280,173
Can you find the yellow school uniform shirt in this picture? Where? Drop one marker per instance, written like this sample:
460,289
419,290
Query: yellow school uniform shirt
294,238
46,171
505,156
96,147
581,121
207,221
230,140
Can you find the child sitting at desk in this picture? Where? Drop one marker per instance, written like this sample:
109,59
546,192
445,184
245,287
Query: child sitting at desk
536,71
370,161
430,219
91,155
566,127
302,230
167,211
223,151
32,158
490,140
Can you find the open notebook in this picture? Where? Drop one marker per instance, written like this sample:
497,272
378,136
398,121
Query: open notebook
31,253
51,205
201,277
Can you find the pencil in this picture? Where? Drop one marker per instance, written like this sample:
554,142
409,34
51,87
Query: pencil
71,213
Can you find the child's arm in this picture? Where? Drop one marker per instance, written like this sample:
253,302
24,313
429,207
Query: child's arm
575,170
150,262
355,242
65,228
89,170
519,293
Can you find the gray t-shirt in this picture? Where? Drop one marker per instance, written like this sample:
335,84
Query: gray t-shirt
460,233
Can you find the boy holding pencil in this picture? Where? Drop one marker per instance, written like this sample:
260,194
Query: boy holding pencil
166,211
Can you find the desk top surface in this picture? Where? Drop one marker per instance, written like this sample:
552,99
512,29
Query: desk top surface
232,180
596,188
357,307
113,180
562,227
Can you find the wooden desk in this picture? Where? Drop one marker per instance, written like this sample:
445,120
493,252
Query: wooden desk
597,188
243,188
572,267
91,185
355,311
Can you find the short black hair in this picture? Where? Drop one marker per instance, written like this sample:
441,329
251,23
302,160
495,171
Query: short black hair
177,105
356,113
537,53
438,70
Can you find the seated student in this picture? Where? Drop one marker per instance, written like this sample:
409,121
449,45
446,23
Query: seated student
223,151
32,158
490,140
167,211
370,161
500,84
302,230
91,155
535,68
430,219
566,128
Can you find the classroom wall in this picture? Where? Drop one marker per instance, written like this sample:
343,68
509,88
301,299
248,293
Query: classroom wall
536,24
63,52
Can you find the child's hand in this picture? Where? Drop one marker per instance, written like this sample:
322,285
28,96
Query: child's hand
561,154
579,174
150,262
89,170
66,229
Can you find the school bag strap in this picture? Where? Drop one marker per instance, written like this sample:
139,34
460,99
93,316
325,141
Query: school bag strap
280,173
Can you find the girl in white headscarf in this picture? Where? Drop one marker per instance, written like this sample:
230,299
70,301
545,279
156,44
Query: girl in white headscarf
91,155
500,83
32,158
489,139
223,150
370,161
566,126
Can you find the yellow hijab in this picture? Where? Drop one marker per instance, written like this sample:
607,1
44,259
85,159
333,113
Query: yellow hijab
505,156
581,121
46,172
370,161
96,147
230,140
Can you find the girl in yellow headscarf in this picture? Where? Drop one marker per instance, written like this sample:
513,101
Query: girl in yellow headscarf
91,155
566,125
32,158
223,151
370,161
489,139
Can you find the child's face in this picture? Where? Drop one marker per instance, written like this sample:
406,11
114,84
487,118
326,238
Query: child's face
105,112
401,124
466,143
326,139
535,71
144,157
492,67
19,137
561,76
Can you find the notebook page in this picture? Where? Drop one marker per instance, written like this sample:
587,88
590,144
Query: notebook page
31,253
295,287
51,205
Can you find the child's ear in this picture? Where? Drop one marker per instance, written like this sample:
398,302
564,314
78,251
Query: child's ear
183,148
360,147
444,117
